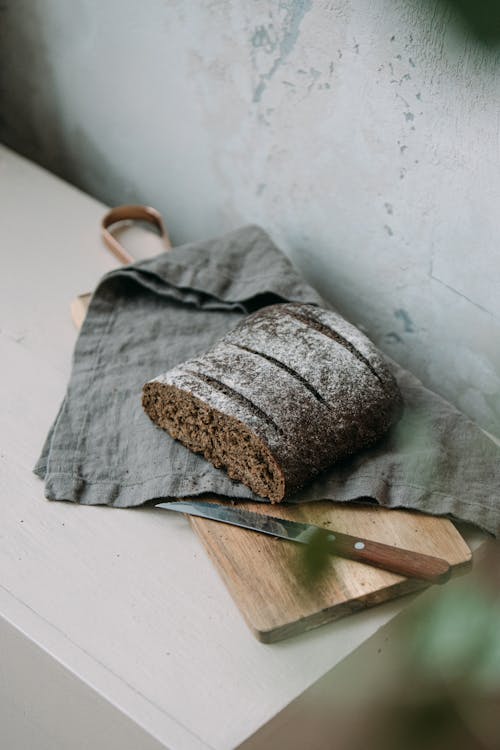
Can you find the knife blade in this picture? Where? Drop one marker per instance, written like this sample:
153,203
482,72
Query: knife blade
394,559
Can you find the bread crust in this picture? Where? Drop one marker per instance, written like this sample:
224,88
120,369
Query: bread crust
306,388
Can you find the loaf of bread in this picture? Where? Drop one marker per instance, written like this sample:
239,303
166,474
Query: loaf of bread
288,392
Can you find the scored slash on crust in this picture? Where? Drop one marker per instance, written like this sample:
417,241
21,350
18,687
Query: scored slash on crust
287,369
228,391
312,322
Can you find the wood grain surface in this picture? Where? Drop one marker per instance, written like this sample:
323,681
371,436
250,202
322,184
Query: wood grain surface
265,576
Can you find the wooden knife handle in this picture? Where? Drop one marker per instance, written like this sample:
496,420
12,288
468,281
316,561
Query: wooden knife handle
401,561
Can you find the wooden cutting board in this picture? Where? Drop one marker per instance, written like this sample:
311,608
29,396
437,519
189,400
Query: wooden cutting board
265,575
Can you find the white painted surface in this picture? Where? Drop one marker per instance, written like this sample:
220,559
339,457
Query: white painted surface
126,601
44,706
363,135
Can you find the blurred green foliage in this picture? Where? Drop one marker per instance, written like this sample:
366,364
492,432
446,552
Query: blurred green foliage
482,17
429,682
315,557
446,689
458,639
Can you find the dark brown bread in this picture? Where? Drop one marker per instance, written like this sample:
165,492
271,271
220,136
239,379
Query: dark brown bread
291,390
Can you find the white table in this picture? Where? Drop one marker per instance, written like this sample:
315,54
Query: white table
115,629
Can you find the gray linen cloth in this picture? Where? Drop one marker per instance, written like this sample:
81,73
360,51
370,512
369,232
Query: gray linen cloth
145,318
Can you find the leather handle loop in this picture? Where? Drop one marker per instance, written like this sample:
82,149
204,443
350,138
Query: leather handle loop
131,213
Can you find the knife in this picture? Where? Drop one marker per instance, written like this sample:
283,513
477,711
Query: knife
401,561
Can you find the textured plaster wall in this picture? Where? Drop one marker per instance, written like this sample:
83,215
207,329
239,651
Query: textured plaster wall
362,134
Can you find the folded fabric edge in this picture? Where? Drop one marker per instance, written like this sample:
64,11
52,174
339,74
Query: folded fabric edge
185,269
404,497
